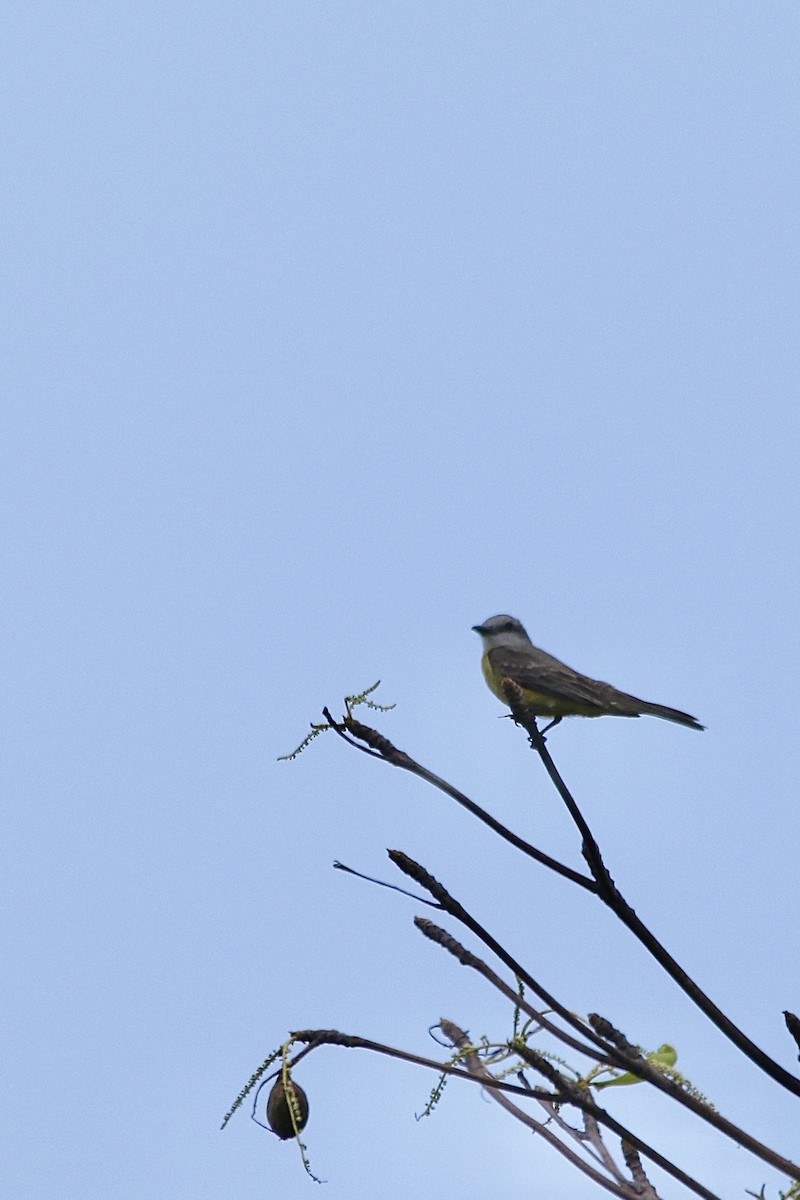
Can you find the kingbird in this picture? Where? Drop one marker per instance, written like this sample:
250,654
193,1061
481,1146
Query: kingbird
552,689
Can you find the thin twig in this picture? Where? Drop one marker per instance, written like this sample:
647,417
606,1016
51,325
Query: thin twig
601,883
332,1037
381,747
473,1063
467,959
637,1066
573,1094
613,898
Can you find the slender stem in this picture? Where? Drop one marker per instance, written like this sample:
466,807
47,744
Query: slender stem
442,938
383,748
603,885
613,898
637,1065
320,1037
476,1067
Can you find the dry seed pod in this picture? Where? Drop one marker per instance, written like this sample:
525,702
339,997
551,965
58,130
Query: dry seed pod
279,1116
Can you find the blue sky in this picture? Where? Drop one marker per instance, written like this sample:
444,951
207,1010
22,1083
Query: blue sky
331,330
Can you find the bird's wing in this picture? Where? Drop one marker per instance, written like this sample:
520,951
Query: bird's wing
552,678
540,672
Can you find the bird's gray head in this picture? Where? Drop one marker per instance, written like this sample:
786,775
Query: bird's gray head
502,631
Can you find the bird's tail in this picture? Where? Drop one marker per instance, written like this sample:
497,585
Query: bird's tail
671,714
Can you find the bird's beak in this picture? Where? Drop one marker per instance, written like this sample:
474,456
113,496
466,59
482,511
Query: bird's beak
478,629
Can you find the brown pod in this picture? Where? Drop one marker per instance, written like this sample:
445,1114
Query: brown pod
279,1116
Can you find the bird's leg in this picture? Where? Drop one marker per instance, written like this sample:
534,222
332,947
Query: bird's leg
555,721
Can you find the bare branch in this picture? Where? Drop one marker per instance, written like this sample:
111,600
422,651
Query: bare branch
637,1065
611,896
473,1063
380,747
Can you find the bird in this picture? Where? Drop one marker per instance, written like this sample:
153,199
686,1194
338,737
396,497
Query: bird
549,687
